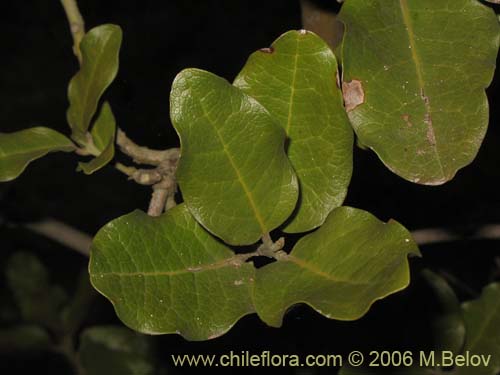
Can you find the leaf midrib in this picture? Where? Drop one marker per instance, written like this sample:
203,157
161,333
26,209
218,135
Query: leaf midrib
419,70
292,91
242,182
91,83
228,262
312,268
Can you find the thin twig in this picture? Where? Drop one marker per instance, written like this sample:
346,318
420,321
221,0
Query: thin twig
64,234
158,202
432,236
162,178
125,169
76,25
80,242
144,155
163,195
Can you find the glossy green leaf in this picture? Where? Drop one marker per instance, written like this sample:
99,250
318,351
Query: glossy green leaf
103,136
18,149
296,80
414,74
482,323
340,270
38,300
100,48
233,172
168,275
108,350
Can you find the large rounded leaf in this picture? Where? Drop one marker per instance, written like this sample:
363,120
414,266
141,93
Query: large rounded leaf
18,149
340,270
168,275
297,81
414,74
233,172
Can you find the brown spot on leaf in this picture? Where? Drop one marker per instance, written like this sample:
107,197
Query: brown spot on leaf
406,119
431,136
337,79
267,50
353,94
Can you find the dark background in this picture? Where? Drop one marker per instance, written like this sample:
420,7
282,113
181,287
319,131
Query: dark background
160,39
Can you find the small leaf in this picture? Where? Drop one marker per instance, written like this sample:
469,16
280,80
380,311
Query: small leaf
168,275
482,323
116,350
39,301
77,309
414,75
233,172
446,320
24,337
103,136
100,48
340,270
296,80
18,149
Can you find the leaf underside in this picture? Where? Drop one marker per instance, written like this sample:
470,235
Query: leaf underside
414,75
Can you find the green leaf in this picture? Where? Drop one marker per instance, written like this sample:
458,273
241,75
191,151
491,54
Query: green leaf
296,80
116,350
340,270
482,322
100,48
233,172
446,318
18,149
39,301
78,308
24,337
414,74
168,275
103,136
